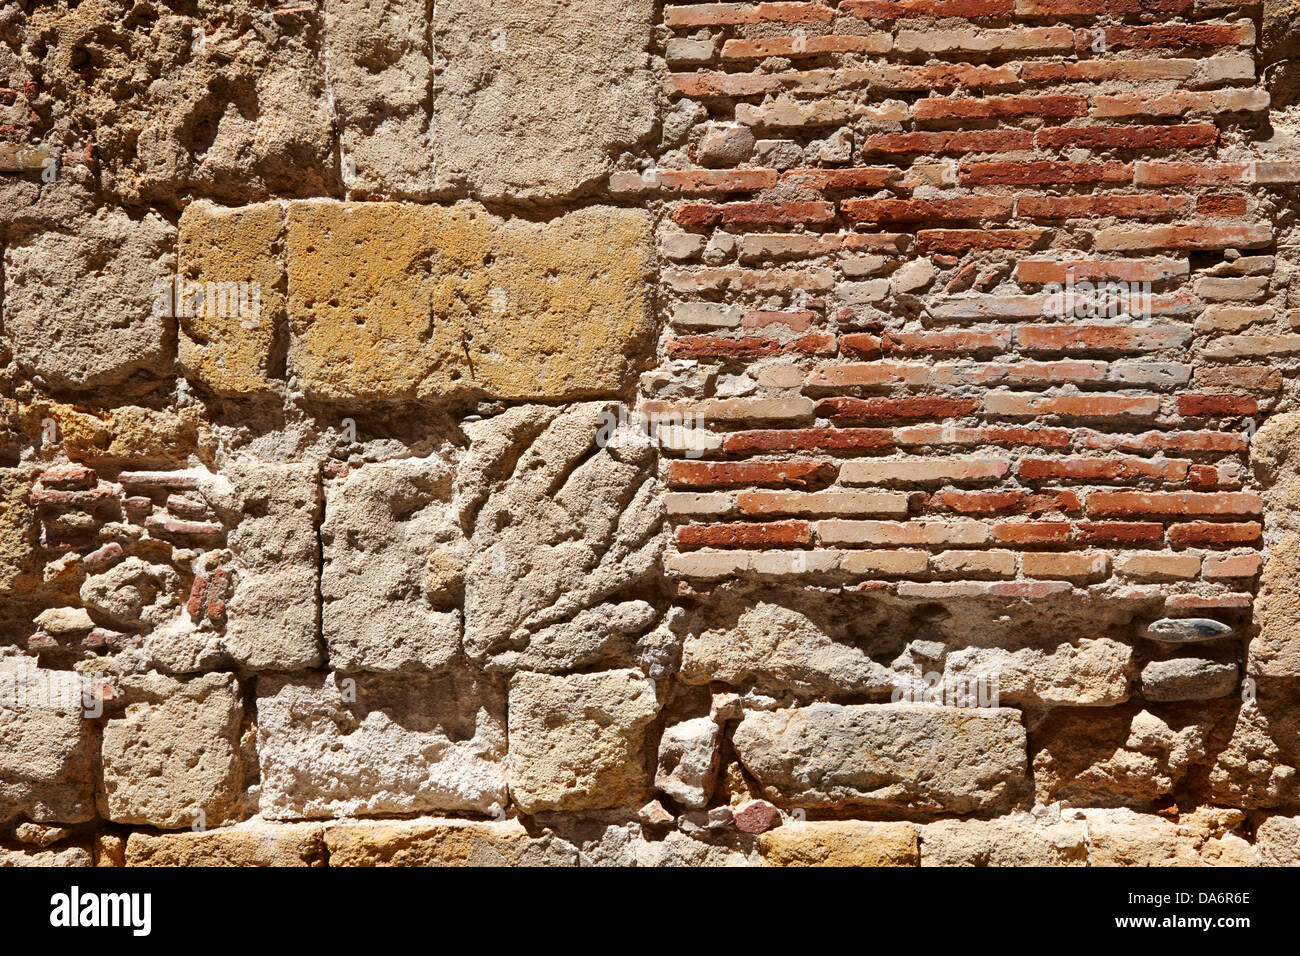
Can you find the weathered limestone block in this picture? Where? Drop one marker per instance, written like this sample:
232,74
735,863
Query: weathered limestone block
230,339
577,742
382,522
80,306
689,756
17,528
567,522
332,746
59,856
272,612
1204,837
885,755
1275,649
130,435
391,302
530,102
1188,678
1016,840
224,99
253,843
840,843
133,594
1280,38
46,745
1091,672
380,68
172,760
775,650
436,842
1114,758
1255,749
678,849
1278,841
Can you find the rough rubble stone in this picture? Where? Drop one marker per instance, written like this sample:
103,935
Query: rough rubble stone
1115,757
46,745
885,755
1280,38
1275,647
530,102
775,649
17,534
678,849
172,760
127,435
230,340
567,521
1017,840
133,594
59,856
1254,748
435,842
391,302
577,742
689,756
1188,678
1204,837
81,307
370,745
840,843
254,843
1278,841
382,521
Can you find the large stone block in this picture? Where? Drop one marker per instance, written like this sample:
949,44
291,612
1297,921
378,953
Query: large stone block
380,69
1275,646
81,306
563,522
434,842
1016,840
578,742
531,101
254,843
127,435
391,302
172,760
231,339
840,843
885,755
46,745
1204,837
382,523
333,746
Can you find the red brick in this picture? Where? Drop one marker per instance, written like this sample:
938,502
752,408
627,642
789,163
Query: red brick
1081,207
1219,566
724,14
705,474
705,215
987,502
804,46
174,526
1000,107
761,319
870,374
1212,534
1032,532
986,435
1100,338
1119,532
903,9
808,439
1200,236
1165,441
1221,205
1043,173
997,208
743,535
1102,469
968,240
948,76
1129,137
1083,8
1217,405
713,346
957,340
1174,37
1077,406
865,177
913,407
696,180
68,477
949,142
1172,503
705,85
1040,271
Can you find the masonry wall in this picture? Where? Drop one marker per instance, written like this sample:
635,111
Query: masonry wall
749,433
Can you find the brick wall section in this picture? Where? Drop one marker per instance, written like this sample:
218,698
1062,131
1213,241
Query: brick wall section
882,231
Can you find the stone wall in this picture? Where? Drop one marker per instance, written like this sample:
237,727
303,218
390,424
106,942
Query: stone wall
784,433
